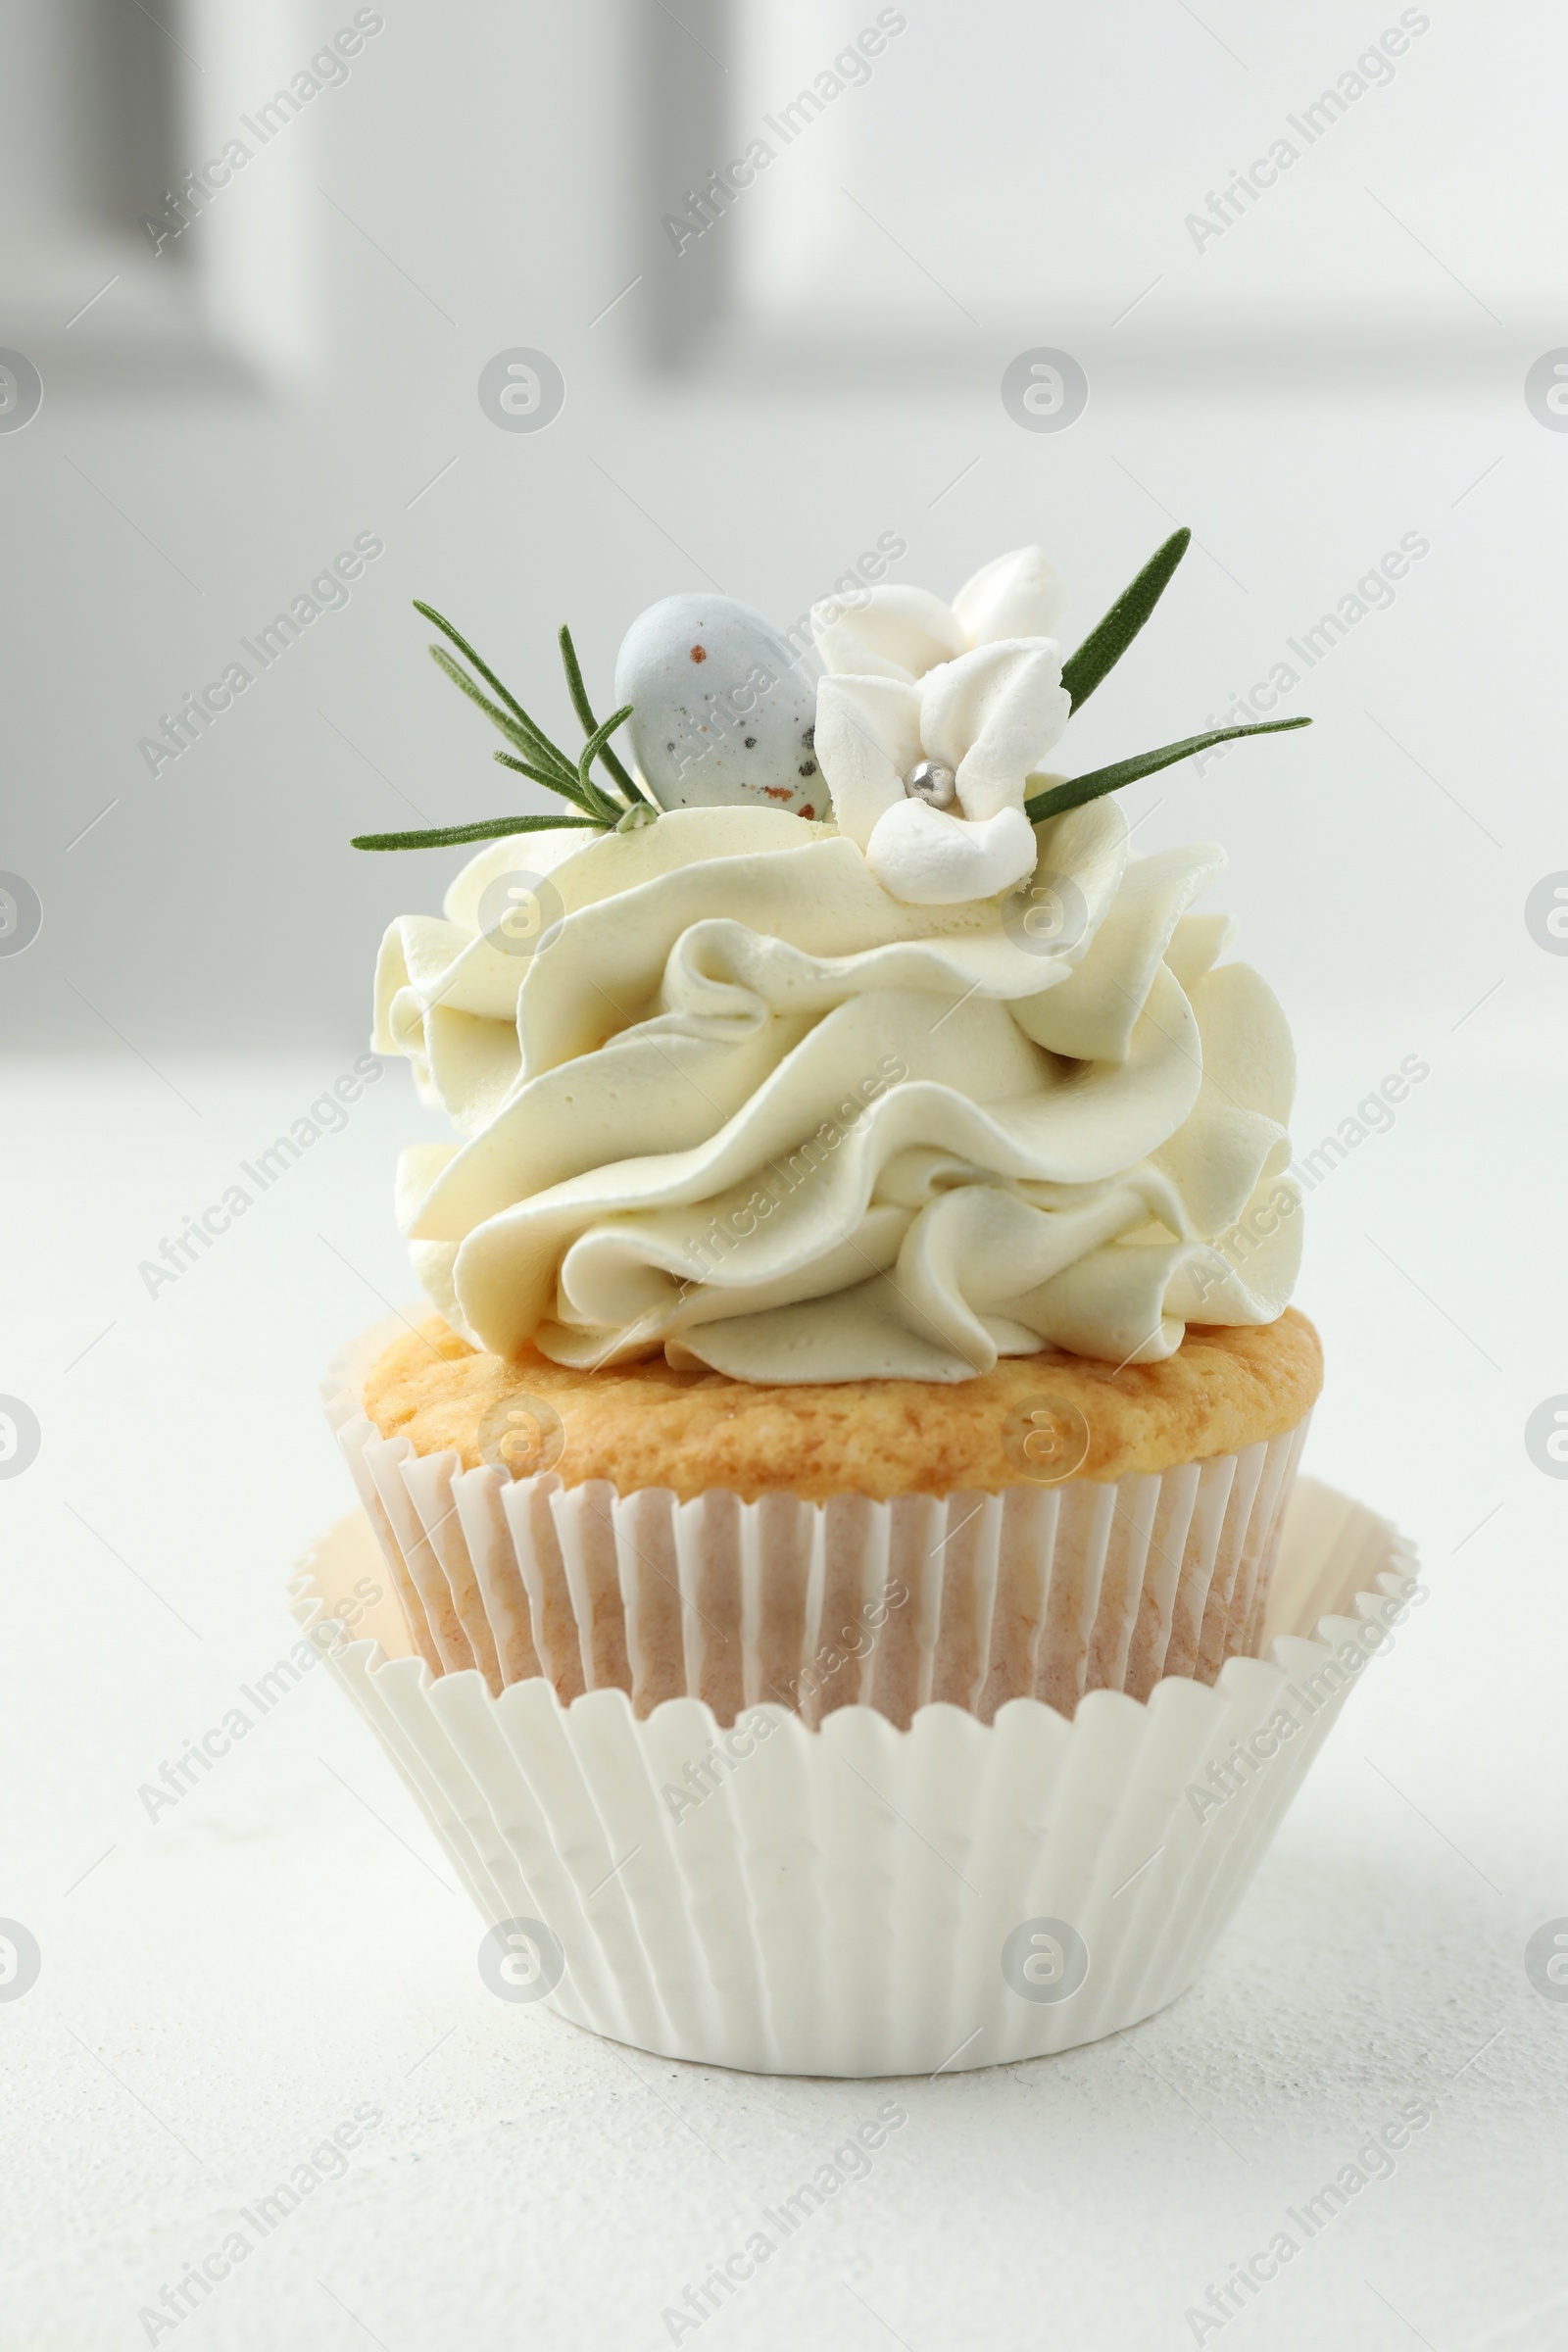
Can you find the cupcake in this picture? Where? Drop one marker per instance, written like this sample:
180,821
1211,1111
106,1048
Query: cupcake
856,1295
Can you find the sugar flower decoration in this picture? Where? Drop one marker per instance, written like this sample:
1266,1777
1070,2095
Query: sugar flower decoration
893,632
928,775
930,721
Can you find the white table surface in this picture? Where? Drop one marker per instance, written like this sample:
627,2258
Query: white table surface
224,1985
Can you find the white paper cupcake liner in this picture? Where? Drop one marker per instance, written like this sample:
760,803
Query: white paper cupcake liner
972,1600
862,1900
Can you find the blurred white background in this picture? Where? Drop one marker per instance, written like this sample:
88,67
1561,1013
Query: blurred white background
1338,367
1344,364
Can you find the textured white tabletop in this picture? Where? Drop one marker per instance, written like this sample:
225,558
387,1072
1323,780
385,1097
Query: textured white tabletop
226,1986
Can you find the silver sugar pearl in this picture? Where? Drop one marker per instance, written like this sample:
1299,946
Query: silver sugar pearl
933,783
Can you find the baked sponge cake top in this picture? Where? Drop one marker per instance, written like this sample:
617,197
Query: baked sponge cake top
1044,1418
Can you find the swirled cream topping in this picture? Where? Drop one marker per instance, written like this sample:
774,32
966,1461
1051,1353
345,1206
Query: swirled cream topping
721,1092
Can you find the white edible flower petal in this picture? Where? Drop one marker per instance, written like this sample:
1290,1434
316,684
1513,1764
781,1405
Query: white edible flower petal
892,632
1021,594
991,717
867,741
926,857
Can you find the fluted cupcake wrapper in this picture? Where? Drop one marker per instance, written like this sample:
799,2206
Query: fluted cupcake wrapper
861,1900
1047,1592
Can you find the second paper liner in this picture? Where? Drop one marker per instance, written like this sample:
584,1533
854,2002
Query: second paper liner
862,1900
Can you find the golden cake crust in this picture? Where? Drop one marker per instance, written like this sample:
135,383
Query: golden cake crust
646,1425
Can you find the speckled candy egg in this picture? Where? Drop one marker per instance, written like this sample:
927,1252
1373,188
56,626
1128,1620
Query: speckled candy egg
724,713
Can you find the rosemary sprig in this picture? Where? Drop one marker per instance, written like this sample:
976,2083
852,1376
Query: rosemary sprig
446,837
596,744
541,739
534,775
628,786
1100,780
542,762
552,769
1104,645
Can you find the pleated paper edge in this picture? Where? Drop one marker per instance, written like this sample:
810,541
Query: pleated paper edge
867,1968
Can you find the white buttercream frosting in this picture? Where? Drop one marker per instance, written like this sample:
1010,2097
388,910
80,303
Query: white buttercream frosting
749,1106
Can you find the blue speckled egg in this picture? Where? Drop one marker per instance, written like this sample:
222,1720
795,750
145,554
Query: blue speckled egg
723,711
